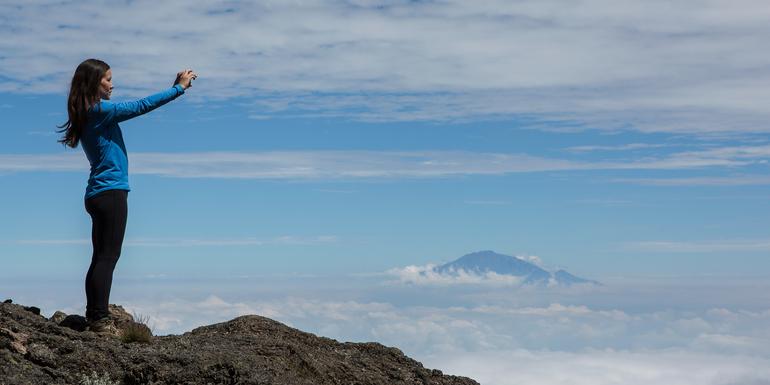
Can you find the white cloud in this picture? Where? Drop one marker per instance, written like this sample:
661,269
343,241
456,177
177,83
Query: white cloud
706,246
554,310
53,241
487,333
605,367
451,340
376,164
336,191
168,315
740,180
607,202
689,66
623,147
488,202
487,325
43,133
731,344
532,259
427,275
195,242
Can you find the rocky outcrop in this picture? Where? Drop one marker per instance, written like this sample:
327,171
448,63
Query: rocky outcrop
246,350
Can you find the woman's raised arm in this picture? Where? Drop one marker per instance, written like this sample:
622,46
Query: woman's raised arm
127,110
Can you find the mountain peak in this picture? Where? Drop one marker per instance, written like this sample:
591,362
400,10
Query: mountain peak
483,254
489,261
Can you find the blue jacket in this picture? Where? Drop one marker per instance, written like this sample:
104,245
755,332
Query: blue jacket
102,139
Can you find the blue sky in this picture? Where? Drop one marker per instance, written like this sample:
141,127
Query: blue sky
346,140
335,195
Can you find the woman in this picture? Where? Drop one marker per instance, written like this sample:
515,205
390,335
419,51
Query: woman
93,121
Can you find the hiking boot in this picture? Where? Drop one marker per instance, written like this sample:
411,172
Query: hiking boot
104,326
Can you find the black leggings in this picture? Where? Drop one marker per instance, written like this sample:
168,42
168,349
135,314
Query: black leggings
109,211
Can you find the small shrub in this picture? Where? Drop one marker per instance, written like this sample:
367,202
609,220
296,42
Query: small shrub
137,331
95,379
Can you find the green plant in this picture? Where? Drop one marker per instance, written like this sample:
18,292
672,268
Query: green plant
137,331
95,379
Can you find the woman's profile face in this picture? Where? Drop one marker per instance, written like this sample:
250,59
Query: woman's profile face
105,87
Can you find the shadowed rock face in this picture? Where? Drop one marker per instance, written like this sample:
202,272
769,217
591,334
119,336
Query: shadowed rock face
246,350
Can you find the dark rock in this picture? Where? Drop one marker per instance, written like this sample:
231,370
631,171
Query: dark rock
58,317
32,309
75,322
8,301
246,350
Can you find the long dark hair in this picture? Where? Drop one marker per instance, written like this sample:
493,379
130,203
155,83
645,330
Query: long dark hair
84,91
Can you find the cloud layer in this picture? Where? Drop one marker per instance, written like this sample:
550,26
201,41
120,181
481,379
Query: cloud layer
650,332
693,66
390,164
496,325
502,344
607,367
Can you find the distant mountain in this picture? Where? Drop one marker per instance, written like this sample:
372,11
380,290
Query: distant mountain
487,261
565,278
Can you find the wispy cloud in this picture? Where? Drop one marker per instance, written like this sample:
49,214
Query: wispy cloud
488,202
741,180
53,241
706,246
378,164
606,202
42,133
194,242
691,66
302,164
555,310
336,191
622,147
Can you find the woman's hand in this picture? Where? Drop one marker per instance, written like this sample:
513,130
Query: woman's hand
185,78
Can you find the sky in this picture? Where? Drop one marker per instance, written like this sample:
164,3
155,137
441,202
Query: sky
329,148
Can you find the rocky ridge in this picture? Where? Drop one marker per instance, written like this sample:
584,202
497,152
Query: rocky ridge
246,350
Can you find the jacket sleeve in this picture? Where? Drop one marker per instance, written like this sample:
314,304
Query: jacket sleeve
119,112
